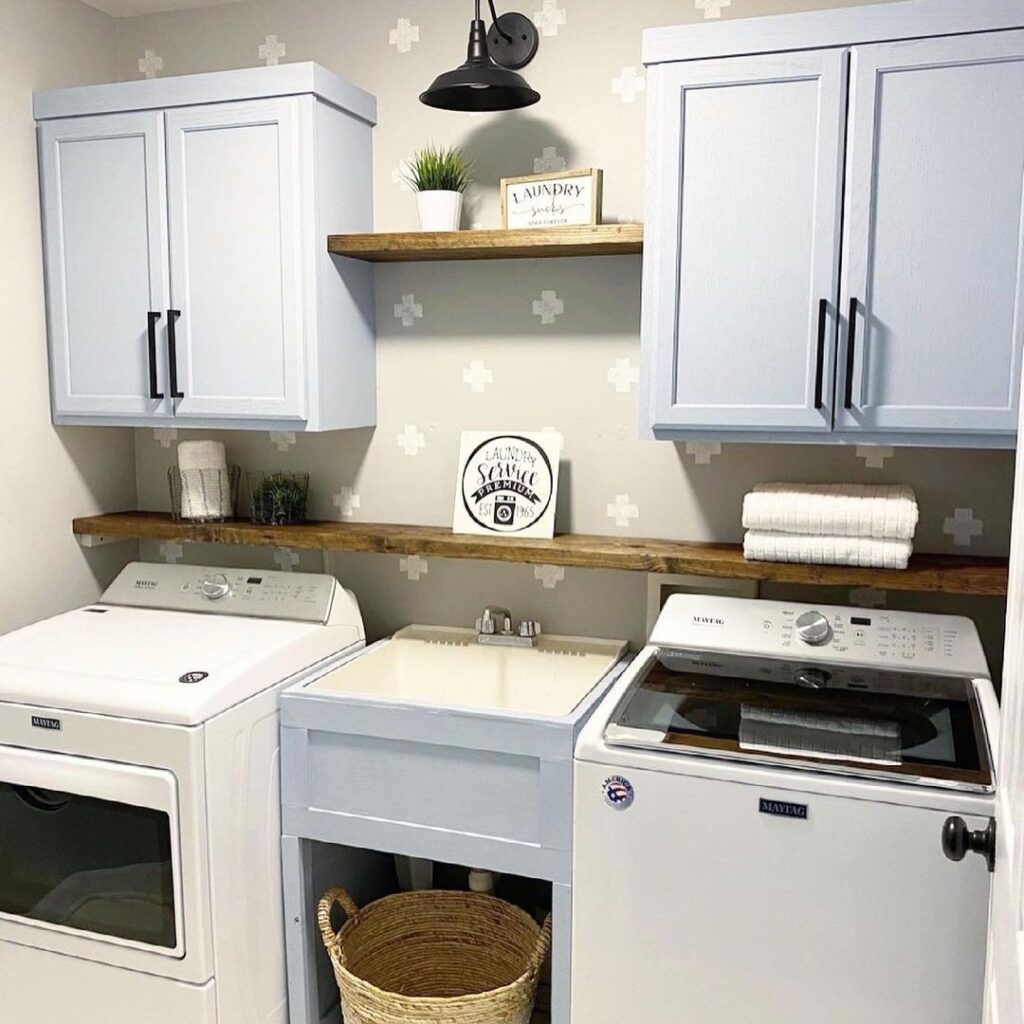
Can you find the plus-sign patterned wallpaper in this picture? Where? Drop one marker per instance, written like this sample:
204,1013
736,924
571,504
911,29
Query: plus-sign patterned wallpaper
530,345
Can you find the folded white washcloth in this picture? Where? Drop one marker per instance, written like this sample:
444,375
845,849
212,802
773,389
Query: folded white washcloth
866,552
886,511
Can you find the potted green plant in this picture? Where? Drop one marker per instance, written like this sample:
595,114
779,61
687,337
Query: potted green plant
440,177
278,499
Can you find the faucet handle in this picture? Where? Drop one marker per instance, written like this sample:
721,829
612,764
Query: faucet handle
495,620
529,629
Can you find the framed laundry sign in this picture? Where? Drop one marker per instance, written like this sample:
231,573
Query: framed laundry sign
550,200
507,483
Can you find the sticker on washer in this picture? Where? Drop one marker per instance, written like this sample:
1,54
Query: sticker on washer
618,793
193,677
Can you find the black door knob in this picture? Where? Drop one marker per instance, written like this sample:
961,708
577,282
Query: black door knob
958,841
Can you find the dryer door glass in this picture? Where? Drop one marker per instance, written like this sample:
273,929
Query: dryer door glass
76,860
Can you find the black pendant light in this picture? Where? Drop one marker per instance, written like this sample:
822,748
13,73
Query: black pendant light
488,81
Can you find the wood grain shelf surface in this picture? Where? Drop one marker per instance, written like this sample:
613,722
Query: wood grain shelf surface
950,574
523,243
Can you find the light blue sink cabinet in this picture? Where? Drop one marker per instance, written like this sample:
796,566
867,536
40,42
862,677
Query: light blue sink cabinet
396,769
185,241
833,246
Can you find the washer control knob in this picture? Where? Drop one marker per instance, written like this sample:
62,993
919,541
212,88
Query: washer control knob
215,587
813,629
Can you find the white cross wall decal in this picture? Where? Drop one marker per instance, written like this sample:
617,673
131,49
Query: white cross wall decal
703,451
408,310
411,440
629,85
623,375
272,50
151,63
711,8
549,160
874,455
622,510
165,436
404,34
549,575
286,559
282,439
548,307
400,175
963,527
549,19
171,551
347,502
477,376
414,567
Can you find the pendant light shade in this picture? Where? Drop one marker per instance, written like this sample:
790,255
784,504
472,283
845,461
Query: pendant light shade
481,83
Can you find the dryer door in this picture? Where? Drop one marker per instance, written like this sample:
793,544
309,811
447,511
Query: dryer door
90,848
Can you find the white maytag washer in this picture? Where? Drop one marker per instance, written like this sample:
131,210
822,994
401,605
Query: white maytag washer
765,808
139,795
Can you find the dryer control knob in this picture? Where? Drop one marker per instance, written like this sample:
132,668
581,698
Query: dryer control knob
813,629
215,587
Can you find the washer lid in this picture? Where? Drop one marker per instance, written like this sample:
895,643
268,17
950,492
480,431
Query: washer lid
154,665
868,723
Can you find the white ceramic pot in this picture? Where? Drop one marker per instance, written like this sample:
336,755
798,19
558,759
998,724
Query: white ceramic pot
439,211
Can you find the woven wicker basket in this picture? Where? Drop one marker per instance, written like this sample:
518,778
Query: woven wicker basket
435,957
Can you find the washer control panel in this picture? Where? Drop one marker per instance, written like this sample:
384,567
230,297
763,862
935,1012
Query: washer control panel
301,597
822,633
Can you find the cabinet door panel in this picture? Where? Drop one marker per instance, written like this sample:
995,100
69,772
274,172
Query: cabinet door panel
933,236
106,260
743,225
234,195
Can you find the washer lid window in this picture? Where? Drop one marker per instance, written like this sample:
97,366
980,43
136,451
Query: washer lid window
862,722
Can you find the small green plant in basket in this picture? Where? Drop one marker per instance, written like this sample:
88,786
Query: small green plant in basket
278,499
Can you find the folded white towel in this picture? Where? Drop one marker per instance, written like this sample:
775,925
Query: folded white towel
867,552
843,510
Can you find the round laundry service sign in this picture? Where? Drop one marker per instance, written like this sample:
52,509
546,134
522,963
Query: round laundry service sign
507,483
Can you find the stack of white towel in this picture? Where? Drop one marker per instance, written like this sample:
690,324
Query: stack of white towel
205,480
831,524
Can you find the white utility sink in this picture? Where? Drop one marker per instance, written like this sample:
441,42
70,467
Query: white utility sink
442,666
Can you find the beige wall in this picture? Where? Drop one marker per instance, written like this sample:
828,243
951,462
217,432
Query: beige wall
47,475
543,374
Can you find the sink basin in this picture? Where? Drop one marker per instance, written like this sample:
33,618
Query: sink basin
441,666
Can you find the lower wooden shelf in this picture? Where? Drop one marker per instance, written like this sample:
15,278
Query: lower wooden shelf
951,574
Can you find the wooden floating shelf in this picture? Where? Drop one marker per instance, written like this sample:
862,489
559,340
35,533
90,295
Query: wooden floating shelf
524,243
950,574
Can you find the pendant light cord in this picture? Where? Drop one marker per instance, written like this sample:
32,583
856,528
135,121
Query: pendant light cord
494,16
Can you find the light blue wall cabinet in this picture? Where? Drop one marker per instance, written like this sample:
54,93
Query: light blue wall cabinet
834,227
188,280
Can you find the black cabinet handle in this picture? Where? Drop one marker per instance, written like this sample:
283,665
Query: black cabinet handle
172,351
820,364
851,340
153,393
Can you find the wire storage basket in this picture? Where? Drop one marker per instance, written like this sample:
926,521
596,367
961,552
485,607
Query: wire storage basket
277,499
434,957
203,495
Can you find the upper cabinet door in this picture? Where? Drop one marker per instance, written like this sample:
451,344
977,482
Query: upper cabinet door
932,279
106,262
742,253
238,274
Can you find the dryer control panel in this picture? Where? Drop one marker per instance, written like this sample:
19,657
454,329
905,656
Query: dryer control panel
829,634
215,590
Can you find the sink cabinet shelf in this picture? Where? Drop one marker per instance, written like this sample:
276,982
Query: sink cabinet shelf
952,574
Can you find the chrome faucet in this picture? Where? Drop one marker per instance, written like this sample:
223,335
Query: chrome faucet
494,627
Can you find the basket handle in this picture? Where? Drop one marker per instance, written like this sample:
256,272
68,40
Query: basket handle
541,950
323,913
